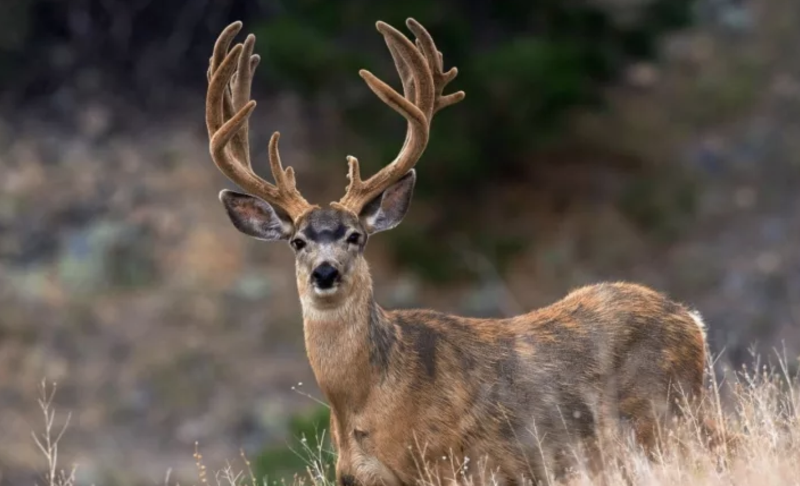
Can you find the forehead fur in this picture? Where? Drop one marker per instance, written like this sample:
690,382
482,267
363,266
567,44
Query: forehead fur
327,224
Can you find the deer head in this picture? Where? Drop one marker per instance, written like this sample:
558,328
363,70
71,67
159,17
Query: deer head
328,242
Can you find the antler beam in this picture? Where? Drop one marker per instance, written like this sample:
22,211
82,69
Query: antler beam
228,110
420,68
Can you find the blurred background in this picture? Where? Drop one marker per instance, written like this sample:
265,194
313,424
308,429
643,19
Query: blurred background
646,140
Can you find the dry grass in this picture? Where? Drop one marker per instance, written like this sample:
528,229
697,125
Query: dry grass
757,405
47,440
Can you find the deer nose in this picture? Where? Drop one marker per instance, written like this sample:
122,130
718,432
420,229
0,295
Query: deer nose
325,275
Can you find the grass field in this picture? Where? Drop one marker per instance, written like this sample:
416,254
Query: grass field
757,405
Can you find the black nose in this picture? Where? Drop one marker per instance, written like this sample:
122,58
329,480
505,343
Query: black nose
325,275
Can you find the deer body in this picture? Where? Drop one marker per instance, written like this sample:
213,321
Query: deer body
504,391
417,392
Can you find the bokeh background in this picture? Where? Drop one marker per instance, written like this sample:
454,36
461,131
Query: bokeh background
647,140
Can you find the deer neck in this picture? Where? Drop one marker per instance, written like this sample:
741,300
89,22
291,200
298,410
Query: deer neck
338,341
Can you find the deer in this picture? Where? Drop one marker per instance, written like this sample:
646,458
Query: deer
414,390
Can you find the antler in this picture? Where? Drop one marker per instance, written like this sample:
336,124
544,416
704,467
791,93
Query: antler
228,110
421,71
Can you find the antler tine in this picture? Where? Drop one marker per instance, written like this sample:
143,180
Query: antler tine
222,131
240,87
420,70
227,116
436,63
403,70
406,79
219,55
223,43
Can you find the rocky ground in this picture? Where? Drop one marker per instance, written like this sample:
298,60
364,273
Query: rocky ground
122,279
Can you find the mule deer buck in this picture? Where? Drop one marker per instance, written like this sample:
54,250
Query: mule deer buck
408,388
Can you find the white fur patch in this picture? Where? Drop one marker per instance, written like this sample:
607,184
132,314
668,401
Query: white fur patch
698,319
346,310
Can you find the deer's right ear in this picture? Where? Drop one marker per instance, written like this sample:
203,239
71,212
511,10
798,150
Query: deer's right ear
255,217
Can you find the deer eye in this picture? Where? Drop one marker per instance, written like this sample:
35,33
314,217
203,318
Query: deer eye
298,244
354,238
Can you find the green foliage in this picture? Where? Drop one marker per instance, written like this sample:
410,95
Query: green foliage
432,262
308,446
658,203
443,264
15,26
525,66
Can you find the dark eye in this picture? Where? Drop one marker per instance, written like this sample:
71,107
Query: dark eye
354,238
298,244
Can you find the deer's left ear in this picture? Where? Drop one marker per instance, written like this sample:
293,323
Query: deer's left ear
388,209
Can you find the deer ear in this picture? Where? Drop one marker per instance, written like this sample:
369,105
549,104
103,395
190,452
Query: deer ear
255,217
388,210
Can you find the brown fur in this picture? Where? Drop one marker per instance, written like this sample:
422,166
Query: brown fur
404,382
